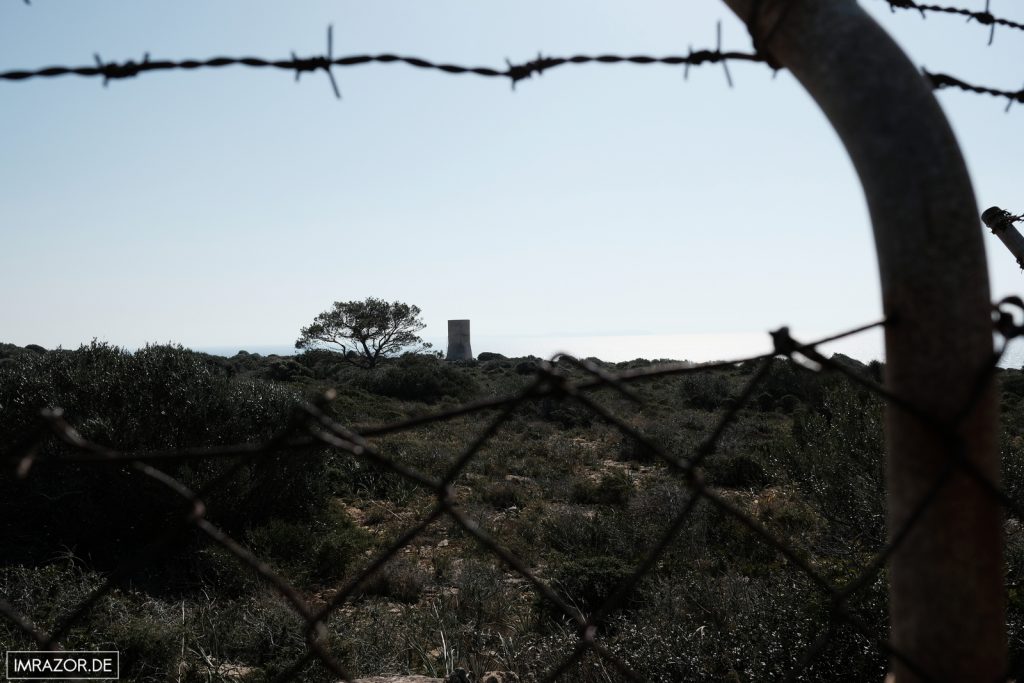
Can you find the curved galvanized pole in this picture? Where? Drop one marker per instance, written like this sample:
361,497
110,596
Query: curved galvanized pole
946,578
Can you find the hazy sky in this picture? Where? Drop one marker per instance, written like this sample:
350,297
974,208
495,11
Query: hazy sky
229,207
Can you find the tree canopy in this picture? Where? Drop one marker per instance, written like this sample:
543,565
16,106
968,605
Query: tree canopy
365,331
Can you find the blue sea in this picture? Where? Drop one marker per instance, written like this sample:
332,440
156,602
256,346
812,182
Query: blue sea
697,348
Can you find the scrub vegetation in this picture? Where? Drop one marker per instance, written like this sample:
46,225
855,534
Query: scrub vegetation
557,484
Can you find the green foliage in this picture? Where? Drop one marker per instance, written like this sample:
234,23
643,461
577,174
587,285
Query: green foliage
401,580
587,582
613,488
720,603
287,370
735,471
573,531
159,398
416,377
322,364
356,478
503,494
365,331
705,390
565,413
783,379
311,552
836,457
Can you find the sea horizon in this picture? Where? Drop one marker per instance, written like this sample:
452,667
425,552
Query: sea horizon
693,347
698,348
615,348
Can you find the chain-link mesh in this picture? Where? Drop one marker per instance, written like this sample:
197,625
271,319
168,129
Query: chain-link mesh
312,424
558,380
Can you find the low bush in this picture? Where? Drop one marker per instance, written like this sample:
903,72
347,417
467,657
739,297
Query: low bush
401,580
160,397
705,390
587,582
418,378
836,457
612,488
735,471
503,495
564,413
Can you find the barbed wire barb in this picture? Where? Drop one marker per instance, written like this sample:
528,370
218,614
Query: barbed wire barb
940,81
984,17
316,63
718,50
514,72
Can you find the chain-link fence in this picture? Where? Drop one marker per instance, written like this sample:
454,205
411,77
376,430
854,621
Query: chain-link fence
556,381
553,381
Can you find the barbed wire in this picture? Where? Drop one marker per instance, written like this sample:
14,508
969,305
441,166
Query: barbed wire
940,81
999,220
512,72
985,17
312,424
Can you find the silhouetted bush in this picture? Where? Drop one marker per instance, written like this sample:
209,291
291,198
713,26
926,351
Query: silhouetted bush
158,398
322,363
418,378
836,458
503,494
735,471
320,551
613,488
705,390
784,379
526,367
587,582
400,579
286,370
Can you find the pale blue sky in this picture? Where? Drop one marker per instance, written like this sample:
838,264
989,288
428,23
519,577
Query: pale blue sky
229,207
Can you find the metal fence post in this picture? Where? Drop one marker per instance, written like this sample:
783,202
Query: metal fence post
947,603
1000,222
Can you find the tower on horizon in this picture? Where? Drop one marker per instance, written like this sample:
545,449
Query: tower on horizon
458,341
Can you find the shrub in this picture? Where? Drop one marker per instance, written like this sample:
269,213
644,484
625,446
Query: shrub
579,532
161,397
321,550
340,543
788,403
286,370
587,582
1012,382
783,379
481,587
503,495
705,390
418,378
322,363
835,456
612,488
632,450
735,471
400,579
567,414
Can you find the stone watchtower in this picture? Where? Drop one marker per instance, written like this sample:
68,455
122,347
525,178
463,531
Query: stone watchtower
458,341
